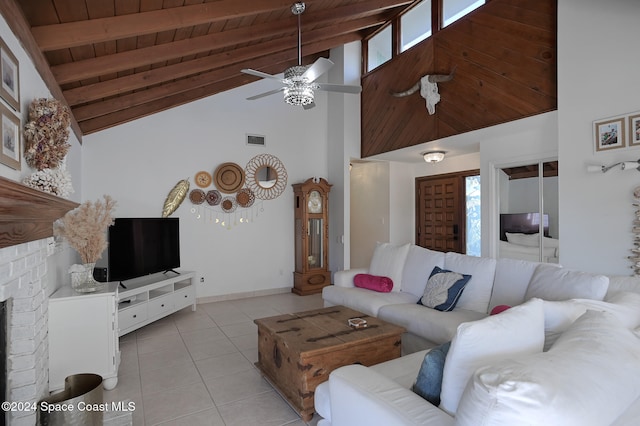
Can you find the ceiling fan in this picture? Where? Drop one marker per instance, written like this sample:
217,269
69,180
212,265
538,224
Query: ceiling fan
299,81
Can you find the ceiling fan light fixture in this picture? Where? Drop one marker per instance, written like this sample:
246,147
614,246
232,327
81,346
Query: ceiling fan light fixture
433,156
298,94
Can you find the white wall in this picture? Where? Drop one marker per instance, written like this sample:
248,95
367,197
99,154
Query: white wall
597,78
370,201
139,162
31,87
343,128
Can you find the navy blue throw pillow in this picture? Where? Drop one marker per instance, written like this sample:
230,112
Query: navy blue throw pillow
429,381
443,289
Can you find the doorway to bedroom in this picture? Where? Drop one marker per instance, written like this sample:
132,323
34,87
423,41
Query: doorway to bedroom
528,211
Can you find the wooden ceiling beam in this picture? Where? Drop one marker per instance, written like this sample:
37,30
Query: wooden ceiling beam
18,24
73,34
109,106
92,92
94,67
167,101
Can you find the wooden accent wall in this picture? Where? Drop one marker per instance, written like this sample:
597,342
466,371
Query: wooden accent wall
505,59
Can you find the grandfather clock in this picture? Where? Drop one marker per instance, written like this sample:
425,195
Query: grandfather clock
311,202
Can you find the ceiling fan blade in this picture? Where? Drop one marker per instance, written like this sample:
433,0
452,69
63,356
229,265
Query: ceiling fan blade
318,68
339,88
311,105
262,95
261,74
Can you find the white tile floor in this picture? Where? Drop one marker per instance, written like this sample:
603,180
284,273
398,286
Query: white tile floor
197,368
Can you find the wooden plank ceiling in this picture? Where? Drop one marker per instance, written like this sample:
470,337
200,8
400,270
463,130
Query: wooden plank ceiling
504,56
118,60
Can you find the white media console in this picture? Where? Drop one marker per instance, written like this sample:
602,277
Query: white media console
149,298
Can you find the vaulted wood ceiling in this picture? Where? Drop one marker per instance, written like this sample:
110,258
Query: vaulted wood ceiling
118,60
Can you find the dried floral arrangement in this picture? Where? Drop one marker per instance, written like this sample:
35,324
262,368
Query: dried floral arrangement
46,133
54,181
85,228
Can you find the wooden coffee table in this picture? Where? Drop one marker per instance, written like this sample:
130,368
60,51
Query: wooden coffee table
296,352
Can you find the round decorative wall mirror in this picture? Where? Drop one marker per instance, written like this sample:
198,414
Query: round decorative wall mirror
266,176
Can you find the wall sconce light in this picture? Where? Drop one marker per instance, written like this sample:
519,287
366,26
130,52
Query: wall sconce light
433,156
624,165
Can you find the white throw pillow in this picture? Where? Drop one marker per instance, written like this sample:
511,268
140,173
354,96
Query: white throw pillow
516,331
558,316
553,283
388,261
589,377
477,293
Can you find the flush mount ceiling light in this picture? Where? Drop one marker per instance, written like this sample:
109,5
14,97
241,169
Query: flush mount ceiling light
433,156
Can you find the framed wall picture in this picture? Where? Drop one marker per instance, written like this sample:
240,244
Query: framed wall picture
609,134
10,77
10,134
634,130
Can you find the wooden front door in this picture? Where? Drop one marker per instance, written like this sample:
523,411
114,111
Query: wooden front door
440,213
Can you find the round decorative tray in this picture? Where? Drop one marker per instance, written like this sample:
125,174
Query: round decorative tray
228,204
203,179
196,196
213,197
229,177
245,197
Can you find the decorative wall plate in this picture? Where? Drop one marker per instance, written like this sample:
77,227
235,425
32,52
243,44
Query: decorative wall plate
266,176
228,204
196,196
213,197
229,177
203,179
245,197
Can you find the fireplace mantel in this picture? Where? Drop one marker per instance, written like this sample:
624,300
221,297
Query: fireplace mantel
27,214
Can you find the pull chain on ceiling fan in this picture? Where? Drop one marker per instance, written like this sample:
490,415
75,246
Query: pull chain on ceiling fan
300,80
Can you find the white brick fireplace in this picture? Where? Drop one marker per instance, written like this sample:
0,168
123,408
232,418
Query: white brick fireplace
26,243
23,284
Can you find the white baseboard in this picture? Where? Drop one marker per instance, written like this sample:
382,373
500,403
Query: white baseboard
244,295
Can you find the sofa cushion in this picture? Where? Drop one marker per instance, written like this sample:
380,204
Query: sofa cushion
417,268
511,281
363,300
373,282
402,370
429,380
559,315
443,289
517,331
589,377
434,326
553,283
388,261
477,293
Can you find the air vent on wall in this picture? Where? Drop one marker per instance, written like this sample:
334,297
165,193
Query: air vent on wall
255,140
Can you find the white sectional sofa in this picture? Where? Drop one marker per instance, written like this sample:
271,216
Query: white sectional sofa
567,353
493,282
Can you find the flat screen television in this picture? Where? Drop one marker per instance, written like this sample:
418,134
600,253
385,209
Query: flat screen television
142,246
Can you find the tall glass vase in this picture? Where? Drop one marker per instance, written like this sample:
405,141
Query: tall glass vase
83,281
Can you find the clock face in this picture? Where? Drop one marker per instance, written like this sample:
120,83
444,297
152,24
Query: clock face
315,202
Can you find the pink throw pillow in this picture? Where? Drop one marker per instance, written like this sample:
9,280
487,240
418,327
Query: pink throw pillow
499,308
373,282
